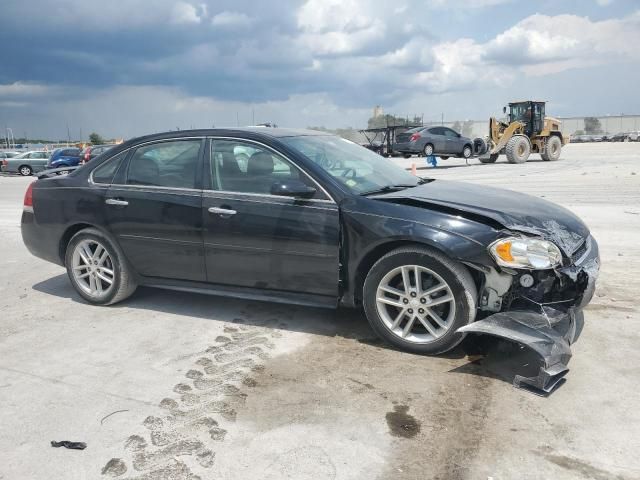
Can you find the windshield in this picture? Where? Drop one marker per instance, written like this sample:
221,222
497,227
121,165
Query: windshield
356,167
520,112
22,155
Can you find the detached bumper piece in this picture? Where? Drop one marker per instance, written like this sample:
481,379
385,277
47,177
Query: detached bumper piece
549,334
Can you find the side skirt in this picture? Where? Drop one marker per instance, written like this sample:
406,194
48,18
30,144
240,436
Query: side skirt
275,296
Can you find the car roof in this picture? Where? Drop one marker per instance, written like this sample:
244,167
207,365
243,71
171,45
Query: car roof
259,131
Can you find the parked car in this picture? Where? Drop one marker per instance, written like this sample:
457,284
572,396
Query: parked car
8,154
26,163
315,219
92,151
440,141
64,157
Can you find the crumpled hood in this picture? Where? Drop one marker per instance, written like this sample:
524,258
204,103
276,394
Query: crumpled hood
512,210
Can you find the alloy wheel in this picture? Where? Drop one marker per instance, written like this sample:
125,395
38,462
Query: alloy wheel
415,304
93,268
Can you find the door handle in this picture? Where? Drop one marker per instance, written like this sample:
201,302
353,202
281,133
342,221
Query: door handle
222,211
114,201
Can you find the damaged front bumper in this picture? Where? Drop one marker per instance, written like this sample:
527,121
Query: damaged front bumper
547,328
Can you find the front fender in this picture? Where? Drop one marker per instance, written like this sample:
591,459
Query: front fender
367,237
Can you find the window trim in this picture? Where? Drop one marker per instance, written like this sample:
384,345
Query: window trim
209,188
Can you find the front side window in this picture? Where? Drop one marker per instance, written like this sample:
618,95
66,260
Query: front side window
450,133
238,166
357,168
171,164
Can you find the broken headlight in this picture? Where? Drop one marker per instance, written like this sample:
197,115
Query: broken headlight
530,253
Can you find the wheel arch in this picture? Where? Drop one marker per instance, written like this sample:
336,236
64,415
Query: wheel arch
373,255
68,234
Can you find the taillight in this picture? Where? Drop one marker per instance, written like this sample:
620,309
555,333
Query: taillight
5,162
414,137
28,198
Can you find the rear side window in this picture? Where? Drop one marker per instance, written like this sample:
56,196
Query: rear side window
168,164
105,172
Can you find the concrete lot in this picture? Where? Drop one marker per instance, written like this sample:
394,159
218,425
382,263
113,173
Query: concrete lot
221,388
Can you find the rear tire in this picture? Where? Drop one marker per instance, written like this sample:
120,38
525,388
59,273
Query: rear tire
552,149
518,149
428,150
122,280
457,296
25,171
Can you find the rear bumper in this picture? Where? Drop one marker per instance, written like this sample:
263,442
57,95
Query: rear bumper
40,240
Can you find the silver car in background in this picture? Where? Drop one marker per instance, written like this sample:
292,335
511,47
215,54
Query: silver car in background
426,141
26,163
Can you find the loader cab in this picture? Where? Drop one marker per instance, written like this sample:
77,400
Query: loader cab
530,113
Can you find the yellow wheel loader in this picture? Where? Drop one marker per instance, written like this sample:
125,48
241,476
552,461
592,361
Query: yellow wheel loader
525,131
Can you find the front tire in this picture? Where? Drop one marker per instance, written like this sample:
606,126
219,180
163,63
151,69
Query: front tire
98,269
25,171
552,149
467,151
518,149
416,298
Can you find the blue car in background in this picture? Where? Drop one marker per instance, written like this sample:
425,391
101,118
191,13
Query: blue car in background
64,157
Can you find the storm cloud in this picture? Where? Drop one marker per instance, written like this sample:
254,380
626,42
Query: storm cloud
302,62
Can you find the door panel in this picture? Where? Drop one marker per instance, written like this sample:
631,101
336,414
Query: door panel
255,239
438,139
156,213
452,141
271,243
160,231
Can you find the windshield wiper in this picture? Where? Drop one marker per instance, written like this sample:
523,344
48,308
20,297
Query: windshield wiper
387,189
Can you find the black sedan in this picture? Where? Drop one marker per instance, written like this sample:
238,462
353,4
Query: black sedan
308,218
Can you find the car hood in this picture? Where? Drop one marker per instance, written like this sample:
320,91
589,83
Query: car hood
506,208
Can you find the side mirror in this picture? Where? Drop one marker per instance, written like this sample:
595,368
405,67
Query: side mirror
504,109
292,188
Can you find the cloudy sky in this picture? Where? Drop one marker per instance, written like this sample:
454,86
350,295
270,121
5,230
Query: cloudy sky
125,68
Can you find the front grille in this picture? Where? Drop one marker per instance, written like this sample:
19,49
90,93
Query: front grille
580,251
